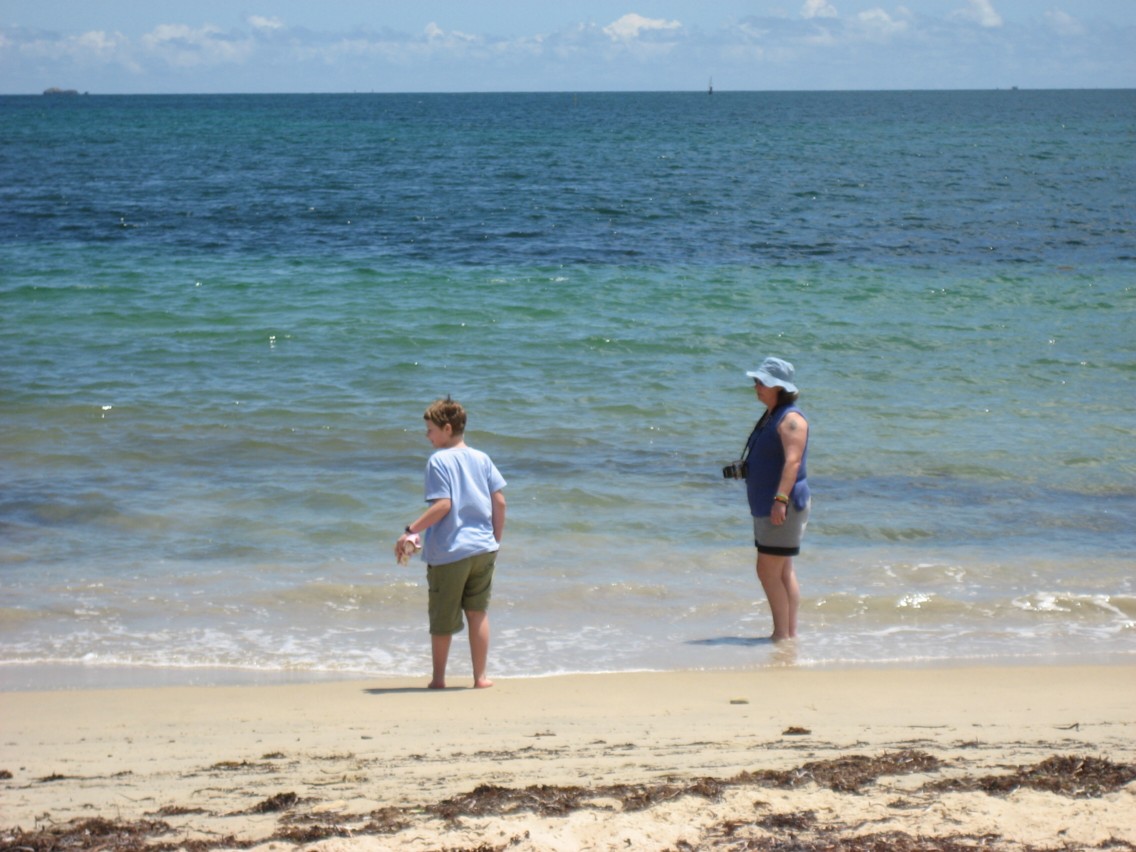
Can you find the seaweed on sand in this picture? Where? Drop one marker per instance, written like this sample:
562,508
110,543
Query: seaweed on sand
94,833
1076,777
1071,776
491,800
846,774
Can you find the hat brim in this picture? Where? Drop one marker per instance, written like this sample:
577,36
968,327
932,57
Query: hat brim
771,382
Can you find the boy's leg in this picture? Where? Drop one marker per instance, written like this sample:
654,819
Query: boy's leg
479,646
475,604
446,585
440,652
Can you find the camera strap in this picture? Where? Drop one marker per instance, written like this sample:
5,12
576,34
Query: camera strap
756,428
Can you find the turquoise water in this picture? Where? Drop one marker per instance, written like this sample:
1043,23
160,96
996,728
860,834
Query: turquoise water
222,317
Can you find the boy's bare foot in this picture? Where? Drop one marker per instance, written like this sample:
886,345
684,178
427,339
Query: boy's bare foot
483,683
436,684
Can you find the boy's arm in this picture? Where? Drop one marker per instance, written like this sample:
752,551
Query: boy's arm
436,511
498,515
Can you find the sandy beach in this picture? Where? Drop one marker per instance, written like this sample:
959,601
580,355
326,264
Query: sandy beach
1002,758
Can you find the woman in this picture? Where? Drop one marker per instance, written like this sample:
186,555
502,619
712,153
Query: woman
778,490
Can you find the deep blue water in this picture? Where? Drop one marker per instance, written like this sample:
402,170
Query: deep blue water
662,179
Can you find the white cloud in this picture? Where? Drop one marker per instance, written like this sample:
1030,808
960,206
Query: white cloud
883,46
436,33
632,26
981,12
95,47
821,37
1064,24
70,47
99,43
183,46
818,9
879,25
261,23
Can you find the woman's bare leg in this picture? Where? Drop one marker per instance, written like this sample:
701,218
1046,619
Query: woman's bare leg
779,581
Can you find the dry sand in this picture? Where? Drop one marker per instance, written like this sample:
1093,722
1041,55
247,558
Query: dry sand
997,758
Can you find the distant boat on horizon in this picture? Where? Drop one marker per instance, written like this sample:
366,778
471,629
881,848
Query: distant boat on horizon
710,90
55,90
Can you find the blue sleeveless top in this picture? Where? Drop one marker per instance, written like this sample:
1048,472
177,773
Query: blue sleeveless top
767,461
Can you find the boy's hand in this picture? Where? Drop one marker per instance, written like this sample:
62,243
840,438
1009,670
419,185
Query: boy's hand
407,545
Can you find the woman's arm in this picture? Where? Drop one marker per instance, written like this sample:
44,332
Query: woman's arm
794,432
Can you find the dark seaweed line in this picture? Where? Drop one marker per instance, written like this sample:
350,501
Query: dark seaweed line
1070,776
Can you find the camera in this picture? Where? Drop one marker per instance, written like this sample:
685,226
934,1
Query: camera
735,470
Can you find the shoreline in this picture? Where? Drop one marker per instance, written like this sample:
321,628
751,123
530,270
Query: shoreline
18,676
653,760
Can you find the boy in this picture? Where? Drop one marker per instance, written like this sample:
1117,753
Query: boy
463,525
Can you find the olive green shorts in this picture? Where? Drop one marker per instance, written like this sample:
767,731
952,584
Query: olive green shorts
458,586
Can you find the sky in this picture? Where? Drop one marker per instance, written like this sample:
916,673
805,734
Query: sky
254,46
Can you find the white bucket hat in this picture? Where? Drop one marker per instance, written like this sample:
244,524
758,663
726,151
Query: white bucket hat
775,373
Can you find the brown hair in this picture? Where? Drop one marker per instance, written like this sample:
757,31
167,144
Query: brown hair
445,411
